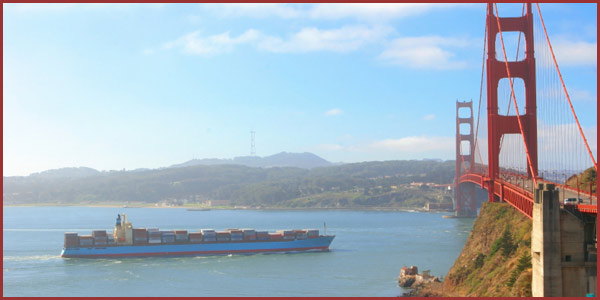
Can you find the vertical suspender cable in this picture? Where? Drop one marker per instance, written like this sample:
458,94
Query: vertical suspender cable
565,88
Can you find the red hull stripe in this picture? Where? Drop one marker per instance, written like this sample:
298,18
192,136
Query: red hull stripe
198,252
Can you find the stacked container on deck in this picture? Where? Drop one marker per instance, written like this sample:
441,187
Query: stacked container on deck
276,236
249,234
236,235
168,237
222,236
209,235
154,236
140,236
71,240
181,236
301,234
195,237
110,239
100,238
287,234
86,240
262,235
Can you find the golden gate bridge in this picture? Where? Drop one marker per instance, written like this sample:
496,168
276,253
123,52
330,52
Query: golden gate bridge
525,130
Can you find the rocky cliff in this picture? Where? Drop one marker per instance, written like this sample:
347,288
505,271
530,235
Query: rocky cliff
495,260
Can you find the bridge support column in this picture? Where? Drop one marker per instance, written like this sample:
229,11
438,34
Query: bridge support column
545,243
464,193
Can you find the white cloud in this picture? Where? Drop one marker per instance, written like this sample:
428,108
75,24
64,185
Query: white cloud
68,7
413,144
331,11
574,53
371,11
424,52
334,112
412,147
256,10
309,39
429,117
193,43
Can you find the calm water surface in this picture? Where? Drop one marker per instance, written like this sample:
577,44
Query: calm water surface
365,258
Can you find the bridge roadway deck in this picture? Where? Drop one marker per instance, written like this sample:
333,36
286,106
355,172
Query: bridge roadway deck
518,192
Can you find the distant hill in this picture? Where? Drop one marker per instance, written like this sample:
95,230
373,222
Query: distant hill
356,185
304,160
80,172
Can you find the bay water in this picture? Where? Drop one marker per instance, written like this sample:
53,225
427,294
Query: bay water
365,257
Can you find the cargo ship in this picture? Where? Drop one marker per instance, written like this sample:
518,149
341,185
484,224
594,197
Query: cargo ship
126,241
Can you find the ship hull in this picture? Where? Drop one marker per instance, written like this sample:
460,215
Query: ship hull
320,243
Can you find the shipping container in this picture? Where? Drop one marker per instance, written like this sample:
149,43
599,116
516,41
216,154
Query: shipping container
152,229
155,240
97,233
209,233
181,238
275,236
262,233
86,240
237,237
223,236
168,237
249,237
101,241
301,234
140,236
195,237
209,238
71,240
287,234
312,233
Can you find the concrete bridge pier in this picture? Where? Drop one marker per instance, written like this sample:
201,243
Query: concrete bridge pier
563,250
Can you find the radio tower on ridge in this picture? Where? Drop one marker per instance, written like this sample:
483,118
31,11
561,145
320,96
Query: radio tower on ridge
252,146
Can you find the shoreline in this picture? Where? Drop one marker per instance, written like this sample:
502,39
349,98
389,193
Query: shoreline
141,205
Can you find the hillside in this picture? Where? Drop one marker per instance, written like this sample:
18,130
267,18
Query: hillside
495,261
67,173
304,160
584,179
369,184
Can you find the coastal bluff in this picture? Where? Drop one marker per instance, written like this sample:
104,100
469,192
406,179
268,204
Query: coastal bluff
495,261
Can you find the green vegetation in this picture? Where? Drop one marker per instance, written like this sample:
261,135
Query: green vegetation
495,261
584,179
523,264
504,243
369,184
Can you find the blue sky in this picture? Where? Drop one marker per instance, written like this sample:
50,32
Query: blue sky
126,86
